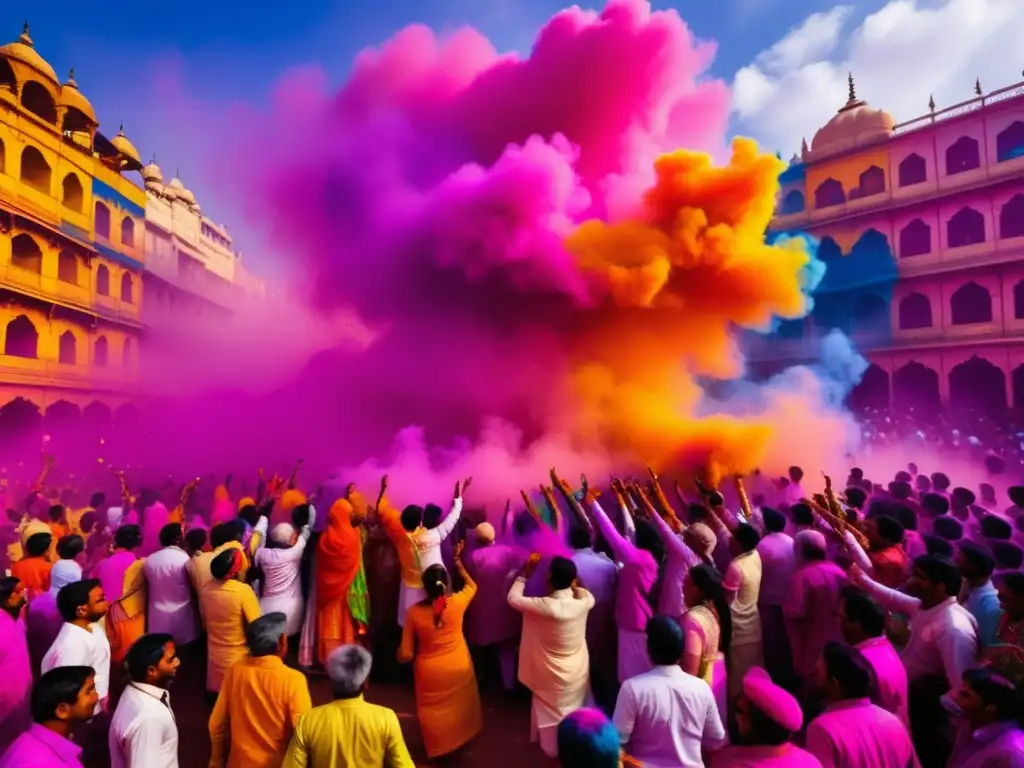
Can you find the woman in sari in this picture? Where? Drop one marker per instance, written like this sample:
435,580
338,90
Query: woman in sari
707,628
447,697
124,585
342,601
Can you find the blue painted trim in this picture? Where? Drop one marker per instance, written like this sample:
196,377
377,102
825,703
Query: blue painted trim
107,192
120,258
76,232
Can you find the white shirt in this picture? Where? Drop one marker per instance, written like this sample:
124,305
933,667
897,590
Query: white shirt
170,595
143,733
282,585
665,716
77,647
429,543
743,579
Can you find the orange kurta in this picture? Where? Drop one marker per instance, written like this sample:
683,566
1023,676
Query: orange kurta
34,575
338,562
447,697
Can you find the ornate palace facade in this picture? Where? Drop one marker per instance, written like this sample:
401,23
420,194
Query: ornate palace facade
921,226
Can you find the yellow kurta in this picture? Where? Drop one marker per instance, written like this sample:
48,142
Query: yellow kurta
348,733
228,607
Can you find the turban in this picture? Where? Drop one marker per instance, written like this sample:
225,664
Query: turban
32,527
227,564
292,498
246,501
775,702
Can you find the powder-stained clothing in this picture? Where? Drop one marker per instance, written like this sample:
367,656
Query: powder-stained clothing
785,756
34,575
16,673
743,579
254,719
228,607
39,747
348,733
811,615
891,675
490,619
858,734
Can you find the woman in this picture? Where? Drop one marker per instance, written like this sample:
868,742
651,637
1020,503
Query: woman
447,698
342,601
124,584
707,627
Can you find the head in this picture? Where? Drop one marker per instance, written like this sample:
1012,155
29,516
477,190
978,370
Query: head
901,490
579,537
283,536
64,697
98,500
12,595
235,530
588,739
88,521
936,545
975,562
432,515
56,513
348,668
267,636
766,715
1011,594
948,528
82,602
795,474
996,528
665,642
699,513
195,540
484,533
988,494
774,521
412,517
801,514
856,474
435,582
649,540
171,535
1016,494
228,565
940,482
933,580
961,499
906,517
935,504
902,477
856,497
861,617
561,573
1008,554
884,531
984,698
845,674
38,544
744,539
922,484
70,547
810,546
249,514
219,535
128,537
153,659
702,586
701,539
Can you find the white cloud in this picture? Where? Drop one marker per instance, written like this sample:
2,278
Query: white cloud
899,56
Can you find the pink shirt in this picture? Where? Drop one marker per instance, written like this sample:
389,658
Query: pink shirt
489,618
639,572
891,674
857,734
39,747
811,612
778,563
16,673
111,571
786,756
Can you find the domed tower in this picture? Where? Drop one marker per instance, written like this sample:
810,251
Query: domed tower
35,83
127,155
153,177
854,124
78,118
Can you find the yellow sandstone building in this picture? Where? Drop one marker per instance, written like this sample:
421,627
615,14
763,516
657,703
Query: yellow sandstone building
72,234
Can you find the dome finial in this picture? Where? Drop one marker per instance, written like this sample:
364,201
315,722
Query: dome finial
71,78
931,103
120,130
977,86
25,38
852,102
853,88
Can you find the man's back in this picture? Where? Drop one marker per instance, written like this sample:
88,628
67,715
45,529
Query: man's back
348,733
858,734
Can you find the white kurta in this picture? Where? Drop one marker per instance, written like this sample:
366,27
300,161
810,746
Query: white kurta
171,609
553,659
282,583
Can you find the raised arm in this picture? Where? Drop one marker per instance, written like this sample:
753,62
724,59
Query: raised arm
621,548
447,525
556,514
890,598
572,501
516,594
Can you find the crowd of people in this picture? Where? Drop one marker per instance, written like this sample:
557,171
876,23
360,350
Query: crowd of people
762,622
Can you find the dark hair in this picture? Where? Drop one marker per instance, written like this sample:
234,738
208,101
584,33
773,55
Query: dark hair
579,537
1014,582
1008,555
61,685
235,530
988,493
940,571
588,739
796,474
993,527
146,652
97,500
855,497
935,503
906,517
978,557
70,547
801,514
902,476
300,516
219,535
649,540
435,581
222,563
708,580
857,474
995,691
774,521
940,481
747,537
948,528
38,544
923,483
73,596
196,538
889,529
698,512
1016,494
864,611
412,517
964,496
88,521
128,537
665,643
56,512
901,490
561,572
170,534
848,667
432,515
936,545
7,586
249,514
995,464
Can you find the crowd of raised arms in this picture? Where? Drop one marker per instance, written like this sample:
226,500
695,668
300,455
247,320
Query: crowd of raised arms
875,622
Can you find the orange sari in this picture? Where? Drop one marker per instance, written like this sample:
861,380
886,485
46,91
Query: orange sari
126,619
340,583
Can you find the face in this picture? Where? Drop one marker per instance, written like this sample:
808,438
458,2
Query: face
167,668
97,606
918,585
964,566
84,707
1010,602
969,701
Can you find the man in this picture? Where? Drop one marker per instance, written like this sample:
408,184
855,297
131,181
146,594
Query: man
82,641
282,585
987,705
666,717
767,717
553,659
143,733
852,732
228,605
1011,600
742,584
260,701
15,665
490,621
886,554
862,621
170,591
348,732
978,595
778,563
62,699
33,570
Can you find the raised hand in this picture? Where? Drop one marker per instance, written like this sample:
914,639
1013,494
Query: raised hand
466,483
383,485
457,553
584,485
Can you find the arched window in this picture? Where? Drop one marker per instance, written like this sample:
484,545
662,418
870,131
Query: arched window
1011,217
962,155
67,267
37,100
970,304
73,195
915,239
22,338
913,170
126,354
792,203
915,312
1010,142
829,193
7,80
102,221
68,351
102,280
128,232
872,182
1018,302
35,171
965,227
126,288
26,254
102,350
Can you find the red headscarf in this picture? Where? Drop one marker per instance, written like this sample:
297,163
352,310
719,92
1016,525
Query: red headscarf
339,554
